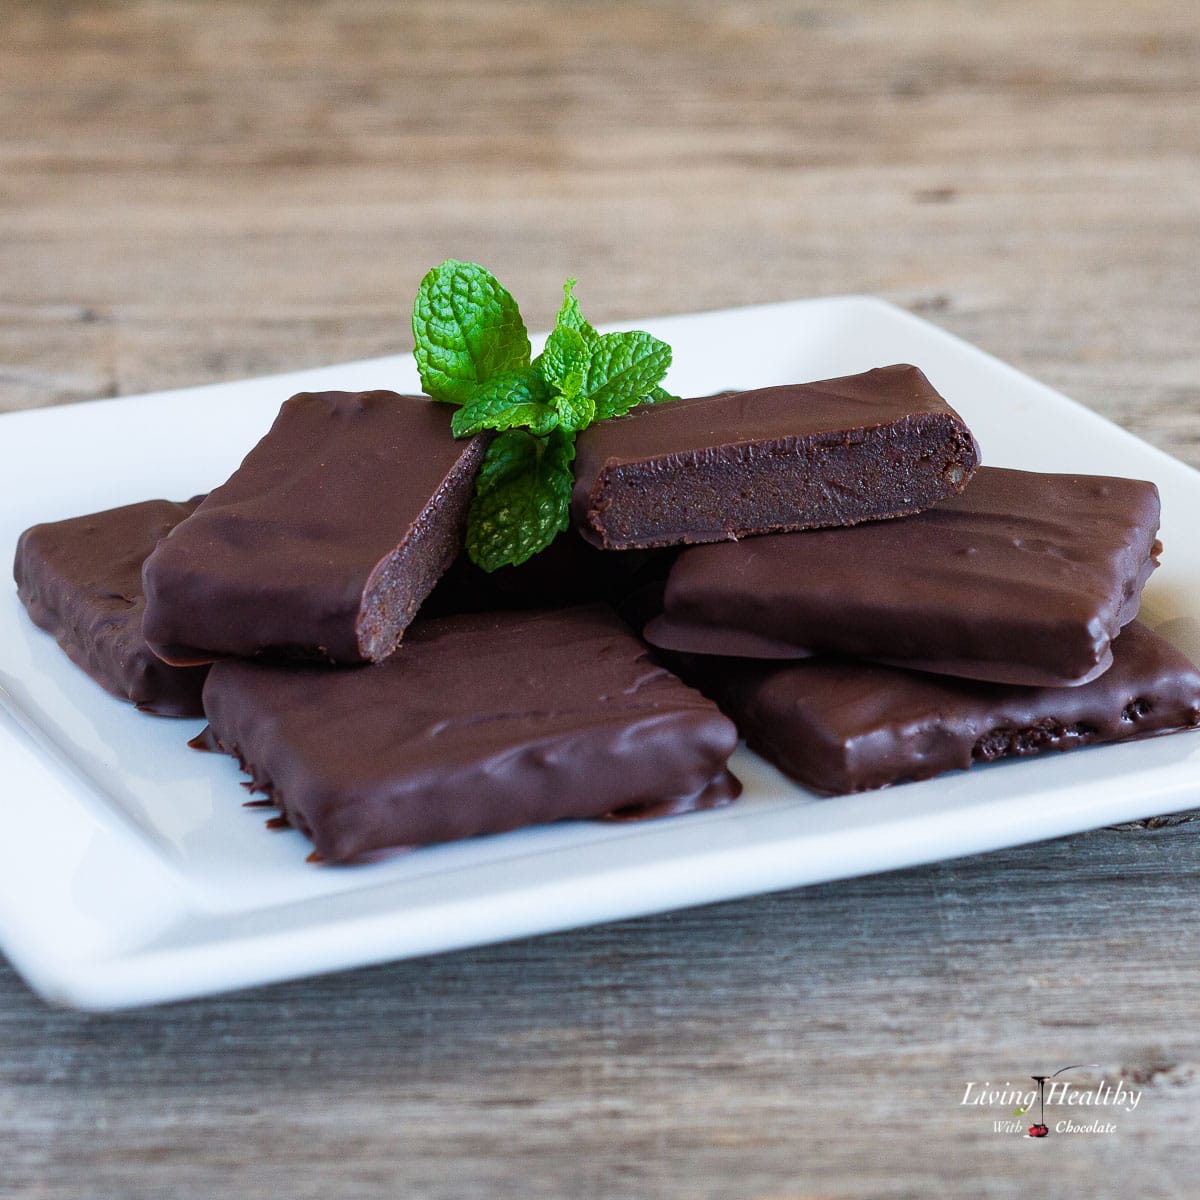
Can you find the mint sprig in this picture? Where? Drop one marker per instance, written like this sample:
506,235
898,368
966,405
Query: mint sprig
473,351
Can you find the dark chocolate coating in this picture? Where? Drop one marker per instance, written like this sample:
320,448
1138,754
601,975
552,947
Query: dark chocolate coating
864,447
839,726
482,723
1022,578
81,580
325,540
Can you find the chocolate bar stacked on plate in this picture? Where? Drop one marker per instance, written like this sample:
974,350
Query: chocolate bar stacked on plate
999,623
864,603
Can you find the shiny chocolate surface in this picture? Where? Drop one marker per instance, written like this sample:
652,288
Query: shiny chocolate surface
1022,578
478,724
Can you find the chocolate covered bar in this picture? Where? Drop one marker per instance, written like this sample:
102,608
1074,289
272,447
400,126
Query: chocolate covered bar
839,726
81,580
1022,578
482,723
860,448
324,541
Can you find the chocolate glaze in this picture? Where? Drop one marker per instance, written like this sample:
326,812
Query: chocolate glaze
325,540
484,723
863,447
840,726
1023,578
81,580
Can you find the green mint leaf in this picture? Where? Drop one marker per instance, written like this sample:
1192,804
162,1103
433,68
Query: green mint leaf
522,497
466,328
506,400
570,317
564,361
575,412
624,368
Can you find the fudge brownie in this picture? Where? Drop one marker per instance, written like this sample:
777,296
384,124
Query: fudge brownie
81,580
1022,578
840,726
482,723
324,541
863,447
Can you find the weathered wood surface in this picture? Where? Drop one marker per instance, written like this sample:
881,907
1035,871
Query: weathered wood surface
191,192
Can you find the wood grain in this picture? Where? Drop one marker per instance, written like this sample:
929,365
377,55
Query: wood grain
812,1043
191,192
190,195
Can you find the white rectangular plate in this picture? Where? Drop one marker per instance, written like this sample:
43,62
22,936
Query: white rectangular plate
131,874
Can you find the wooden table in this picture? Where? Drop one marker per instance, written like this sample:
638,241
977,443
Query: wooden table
197,192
